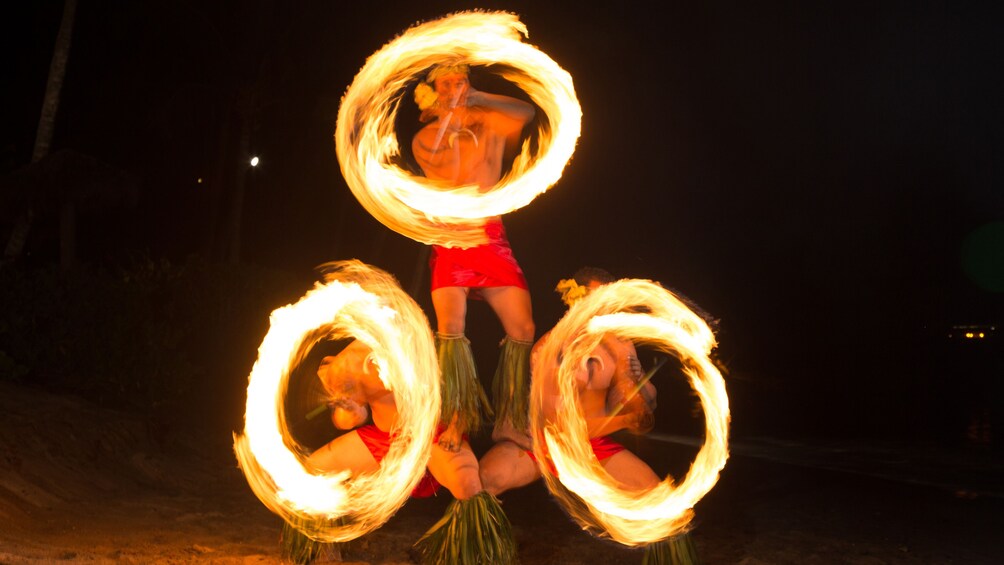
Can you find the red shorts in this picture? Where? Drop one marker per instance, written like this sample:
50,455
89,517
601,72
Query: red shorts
378,442
488,265
603,448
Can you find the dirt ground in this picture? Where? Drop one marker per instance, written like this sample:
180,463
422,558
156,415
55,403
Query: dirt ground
79,484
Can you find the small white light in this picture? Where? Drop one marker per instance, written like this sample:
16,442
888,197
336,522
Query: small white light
254,161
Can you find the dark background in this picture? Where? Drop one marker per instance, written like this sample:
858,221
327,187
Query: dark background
822,178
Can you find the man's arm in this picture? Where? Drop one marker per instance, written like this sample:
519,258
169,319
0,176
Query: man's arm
628,381
597,427
515,109
594,381
614,370
506,115
351,363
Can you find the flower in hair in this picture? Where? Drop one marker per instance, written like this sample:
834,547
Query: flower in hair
425,96
571,291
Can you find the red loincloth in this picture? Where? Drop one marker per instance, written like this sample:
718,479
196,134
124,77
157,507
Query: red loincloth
378,442
603,448
488,265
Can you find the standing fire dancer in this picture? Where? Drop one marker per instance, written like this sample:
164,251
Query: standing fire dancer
468,136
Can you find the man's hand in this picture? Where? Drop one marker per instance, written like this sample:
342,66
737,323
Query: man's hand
474,97
634,368
640,423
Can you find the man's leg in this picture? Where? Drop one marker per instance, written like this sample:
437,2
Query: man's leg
630,471
513,307
456,470
507,466
463,397
450,304
511,383
346,452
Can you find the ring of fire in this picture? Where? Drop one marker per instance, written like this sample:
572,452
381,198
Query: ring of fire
367,145
584,488
367,305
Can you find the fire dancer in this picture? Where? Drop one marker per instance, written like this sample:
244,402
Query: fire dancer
468,136
614,395
608,381
356,395
360,402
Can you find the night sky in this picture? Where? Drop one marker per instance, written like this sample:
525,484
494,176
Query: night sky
824,178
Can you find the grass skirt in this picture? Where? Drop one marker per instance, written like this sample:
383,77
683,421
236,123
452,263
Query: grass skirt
472,532
462,393
511,385
297,548
677,550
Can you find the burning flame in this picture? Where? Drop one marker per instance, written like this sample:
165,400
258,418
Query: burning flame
361,302
367,144
585,489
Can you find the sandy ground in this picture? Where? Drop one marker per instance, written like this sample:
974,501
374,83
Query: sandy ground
83,485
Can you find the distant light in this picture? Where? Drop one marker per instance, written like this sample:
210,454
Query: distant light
254,161
973,331
198,180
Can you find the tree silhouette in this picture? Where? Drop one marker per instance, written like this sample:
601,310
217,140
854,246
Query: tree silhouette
46,126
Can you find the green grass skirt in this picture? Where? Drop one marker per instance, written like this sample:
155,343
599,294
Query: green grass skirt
472,532
297,548
677,550
463,395
511,385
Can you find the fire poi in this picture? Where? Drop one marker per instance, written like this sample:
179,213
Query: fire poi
365,303
582,486
368,148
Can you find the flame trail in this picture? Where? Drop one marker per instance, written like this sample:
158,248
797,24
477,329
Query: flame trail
585,489
367,144
361,302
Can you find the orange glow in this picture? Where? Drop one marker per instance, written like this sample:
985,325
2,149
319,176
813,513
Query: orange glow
368,148
370,306
628,517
